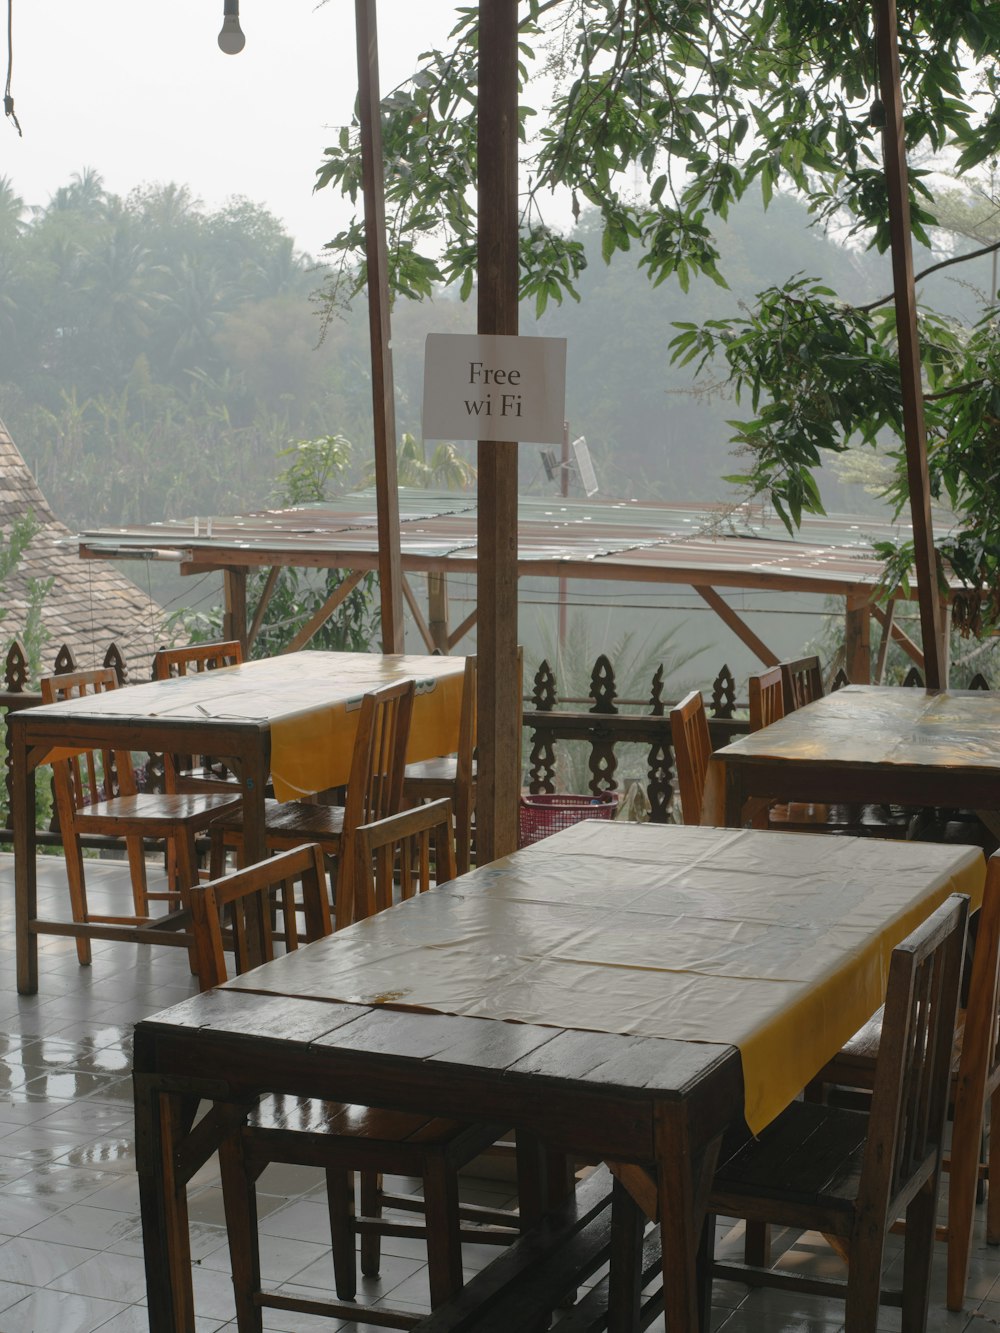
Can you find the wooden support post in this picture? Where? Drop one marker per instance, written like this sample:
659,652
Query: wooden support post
739,626
417,614
499,779
319,617
234,619
894,151
857,639
898,636
390,568
265,597
437,610
883,647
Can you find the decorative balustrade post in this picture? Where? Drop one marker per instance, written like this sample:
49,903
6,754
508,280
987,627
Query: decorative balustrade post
542,756
659,762
603,761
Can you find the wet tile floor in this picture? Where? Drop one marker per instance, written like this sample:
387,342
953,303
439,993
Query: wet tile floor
70,1237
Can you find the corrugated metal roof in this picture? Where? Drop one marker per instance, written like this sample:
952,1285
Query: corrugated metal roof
710,545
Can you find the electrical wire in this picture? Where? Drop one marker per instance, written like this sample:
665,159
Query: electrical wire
8,100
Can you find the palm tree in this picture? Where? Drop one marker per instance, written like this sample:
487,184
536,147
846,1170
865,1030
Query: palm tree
445,470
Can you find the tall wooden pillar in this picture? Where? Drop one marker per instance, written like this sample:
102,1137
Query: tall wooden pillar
499,777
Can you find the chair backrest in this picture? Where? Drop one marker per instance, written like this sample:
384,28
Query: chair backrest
467,724
196,657
913,1071
802,682
394,857
83,778
190,660
240,909
375,784
692,750
767,699
979,1061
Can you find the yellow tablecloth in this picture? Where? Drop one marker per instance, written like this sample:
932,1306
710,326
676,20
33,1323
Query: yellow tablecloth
776,943
311,748
309,700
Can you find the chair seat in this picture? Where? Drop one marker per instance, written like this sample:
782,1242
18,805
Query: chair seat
443,769
154,811
819,1148
307,821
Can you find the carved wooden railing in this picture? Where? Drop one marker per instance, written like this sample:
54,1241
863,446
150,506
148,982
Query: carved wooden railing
605,727
16,696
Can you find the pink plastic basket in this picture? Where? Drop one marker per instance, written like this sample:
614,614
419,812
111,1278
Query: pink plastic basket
541,815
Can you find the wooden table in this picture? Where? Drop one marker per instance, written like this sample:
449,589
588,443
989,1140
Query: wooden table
290,718
866,743
625,991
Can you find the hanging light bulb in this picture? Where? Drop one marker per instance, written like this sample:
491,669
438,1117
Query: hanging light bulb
231,39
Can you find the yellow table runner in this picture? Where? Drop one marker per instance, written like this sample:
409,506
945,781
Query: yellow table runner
777,943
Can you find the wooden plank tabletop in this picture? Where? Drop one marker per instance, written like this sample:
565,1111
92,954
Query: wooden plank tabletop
882,744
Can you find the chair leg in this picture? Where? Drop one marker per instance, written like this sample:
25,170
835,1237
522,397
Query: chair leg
340,1202
77,895
240,1203
463,834
703,1270
371,1206
918,1251
966,1148
864,1280
216,855
137,871
187,877
628,1226
757,1244
993,1173
444,1241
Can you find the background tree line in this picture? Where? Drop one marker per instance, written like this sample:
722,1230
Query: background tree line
158,359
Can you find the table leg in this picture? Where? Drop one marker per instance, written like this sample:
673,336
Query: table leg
684,1177
735,797
254,766
25,881
163,1207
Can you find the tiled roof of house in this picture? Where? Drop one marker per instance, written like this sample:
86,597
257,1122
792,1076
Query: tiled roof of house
90,604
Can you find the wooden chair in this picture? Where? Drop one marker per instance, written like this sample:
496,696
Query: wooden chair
975,1092
198,773
692,749
96,793
342,1139
393,857
849,1173
767,700
801,682
453,776
374,790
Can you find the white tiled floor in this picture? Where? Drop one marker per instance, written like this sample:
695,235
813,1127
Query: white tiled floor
70,1239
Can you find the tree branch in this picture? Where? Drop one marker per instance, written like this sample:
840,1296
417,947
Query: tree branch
934,268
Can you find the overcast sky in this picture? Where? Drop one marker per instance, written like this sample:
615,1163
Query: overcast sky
140,91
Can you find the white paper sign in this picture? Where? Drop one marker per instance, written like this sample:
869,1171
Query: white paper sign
494,387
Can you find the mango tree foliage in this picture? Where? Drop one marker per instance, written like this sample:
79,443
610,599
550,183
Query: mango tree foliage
661,114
